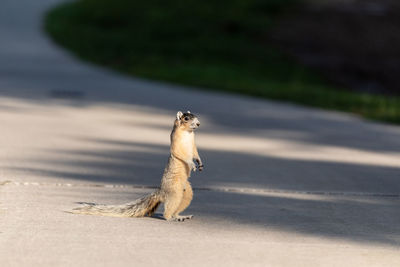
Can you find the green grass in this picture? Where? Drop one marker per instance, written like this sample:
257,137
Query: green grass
217,45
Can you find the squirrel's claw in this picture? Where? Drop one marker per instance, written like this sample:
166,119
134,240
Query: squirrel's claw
200,165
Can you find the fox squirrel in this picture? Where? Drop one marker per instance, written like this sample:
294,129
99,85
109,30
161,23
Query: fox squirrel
175,190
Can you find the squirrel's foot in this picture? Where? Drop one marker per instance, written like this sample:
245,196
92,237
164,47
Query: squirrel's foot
181,218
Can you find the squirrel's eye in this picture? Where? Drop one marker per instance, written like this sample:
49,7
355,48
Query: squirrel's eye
186,118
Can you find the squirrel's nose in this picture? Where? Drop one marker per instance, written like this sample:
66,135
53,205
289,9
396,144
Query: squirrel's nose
198,124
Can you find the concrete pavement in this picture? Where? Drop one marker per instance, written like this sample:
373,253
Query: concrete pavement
283,185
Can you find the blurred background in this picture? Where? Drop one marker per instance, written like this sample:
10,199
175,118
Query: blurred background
89,90
335,54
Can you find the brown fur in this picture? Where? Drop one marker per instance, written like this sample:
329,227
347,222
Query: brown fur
175,190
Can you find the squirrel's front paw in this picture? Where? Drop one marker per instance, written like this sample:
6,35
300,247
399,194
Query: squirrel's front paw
200,167
192,166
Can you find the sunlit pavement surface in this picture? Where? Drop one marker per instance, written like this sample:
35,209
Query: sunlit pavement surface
283,185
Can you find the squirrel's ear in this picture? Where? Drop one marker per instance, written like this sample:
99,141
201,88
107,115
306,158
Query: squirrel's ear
188,112
179,115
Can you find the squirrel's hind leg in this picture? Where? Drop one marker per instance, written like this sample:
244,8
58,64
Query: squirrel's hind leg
172,202
186,200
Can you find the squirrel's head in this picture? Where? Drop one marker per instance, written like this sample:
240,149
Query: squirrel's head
187,121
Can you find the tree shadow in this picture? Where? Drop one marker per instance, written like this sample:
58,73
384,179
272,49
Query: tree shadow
140,163
293,195
223,114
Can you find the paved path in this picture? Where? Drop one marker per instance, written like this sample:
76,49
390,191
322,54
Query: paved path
283,185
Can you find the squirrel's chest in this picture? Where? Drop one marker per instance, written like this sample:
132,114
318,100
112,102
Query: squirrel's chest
186,142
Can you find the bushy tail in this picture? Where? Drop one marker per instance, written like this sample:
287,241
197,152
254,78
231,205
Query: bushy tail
146,205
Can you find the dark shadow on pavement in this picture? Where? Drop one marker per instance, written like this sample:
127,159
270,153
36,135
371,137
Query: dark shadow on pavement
143,164
359,218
